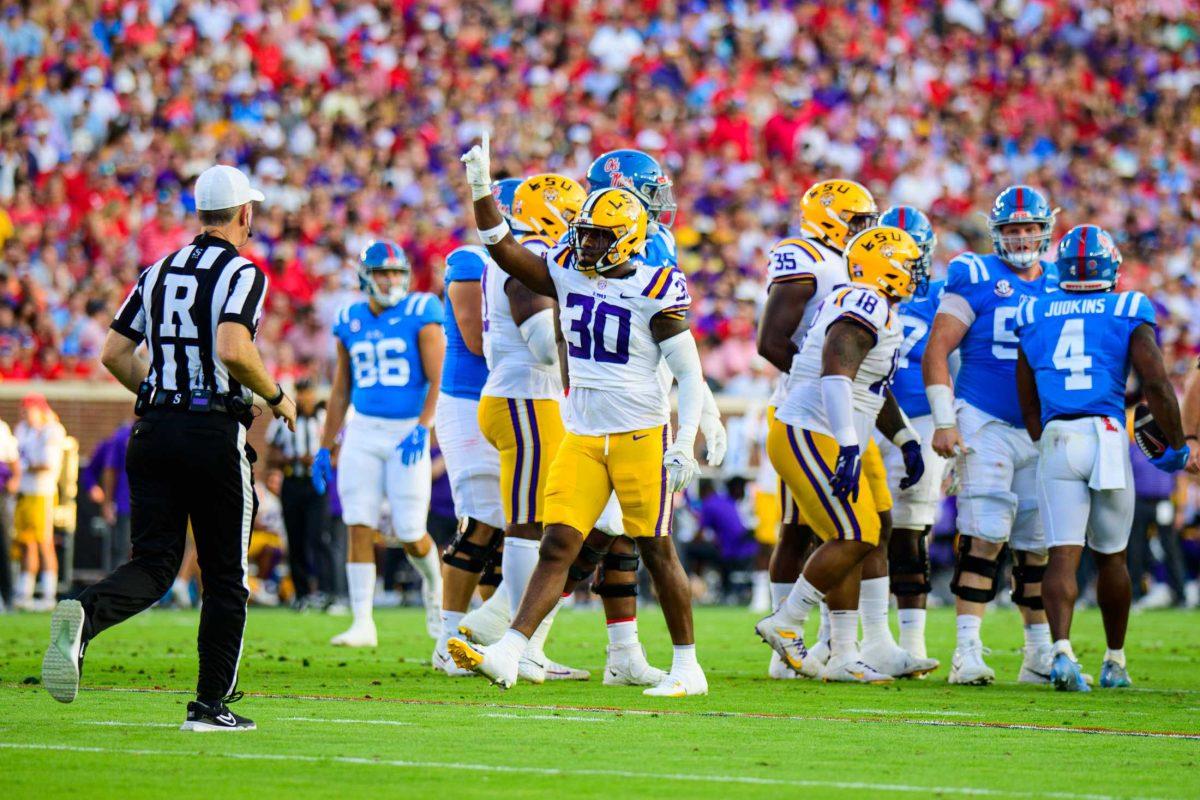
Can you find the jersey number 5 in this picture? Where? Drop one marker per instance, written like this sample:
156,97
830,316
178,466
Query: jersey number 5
589,328
381,362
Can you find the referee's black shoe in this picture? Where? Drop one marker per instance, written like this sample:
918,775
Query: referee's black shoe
63,663
205,717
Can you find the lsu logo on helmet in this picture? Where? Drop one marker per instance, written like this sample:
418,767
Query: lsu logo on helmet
547,203
885,259
833,211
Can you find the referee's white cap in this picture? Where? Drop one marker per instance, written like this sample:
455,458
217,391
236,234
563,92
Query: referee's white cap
223,186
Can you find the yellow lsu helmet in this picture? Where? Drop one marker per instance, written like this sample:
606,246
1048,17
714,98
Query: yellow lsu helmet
547,203
885,259
610,229
833,211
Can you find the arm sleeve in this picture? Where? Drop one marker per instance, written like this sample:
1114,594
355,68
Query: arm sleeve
248,290
538,333
837,393
958,286
683,358
957,306
130,320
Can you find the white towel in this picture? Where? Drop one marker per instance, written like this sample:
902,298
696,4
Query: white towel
1112,448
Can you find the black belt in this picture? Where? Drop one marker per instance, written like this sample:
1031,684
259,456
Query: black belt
203,403
296,471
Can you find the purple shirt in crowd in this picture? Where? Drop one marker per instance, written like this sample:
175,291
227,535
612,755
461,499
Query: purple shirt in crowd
719,514
1149,482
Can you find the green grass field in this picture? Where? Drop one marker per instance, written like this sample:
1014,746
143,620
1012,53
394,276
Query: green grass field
380,723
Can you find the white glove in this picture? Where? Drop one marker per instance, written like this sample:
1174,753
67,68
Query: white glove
479,168
715,440
681,467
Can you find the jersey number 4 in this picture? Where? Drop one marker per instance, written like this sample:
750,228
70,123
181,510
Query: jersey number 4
1069,357
589,327
381,362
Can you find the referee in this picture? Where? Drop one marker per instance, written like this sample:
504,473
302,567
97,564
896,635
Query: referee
197,310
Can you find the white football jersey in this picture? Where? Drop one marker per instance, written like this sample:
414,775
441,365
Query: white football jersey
612,359
804,260
804,406
513,371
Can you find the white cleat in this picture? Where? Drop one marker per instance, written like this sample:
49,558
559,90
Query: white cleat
819,654
561,672
788,643
444,663
626,665
967,668
500,670
849,669
486,624
531,670
779,670
361,634
1036,666
685,684
898,662
63,662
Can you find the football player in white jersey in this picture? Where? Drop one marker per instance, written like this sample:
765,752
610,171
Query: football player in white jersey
836,393
619,319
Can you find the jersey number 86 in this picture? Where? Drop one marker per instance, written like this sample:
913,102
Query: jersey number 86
381,362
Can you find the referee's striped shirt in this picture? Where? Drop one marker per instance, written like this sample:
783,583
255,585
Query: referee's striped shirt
177,305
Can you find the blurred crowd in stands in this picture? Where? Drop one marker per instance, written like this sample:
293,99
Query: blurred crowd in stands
352,114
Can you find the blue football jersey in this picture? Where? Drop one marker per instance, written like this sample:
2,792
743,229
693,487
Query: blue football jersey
387,378
1078,348
660,247
463,372
915,316
995,292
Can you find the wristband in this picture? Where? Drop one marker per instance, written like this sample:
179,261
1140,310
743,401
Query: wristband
941,405
904,436
494,235
277,399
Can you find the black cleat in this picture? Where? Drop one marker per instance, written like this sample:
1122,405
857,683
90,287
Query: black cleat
203,717
63,662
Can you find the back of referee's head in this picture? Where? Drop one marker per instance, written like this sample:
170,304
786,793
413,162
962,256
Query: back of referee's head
223,203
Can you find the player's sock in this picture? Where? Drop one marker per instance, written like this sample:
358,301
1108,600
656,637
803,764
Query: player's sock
450,620
25,584
684,658
537,642
1036,636
912,630
823,630
1064,646
760,589
779,593
800,602
873,608
969,626
1116,656
843,632
49,585
360,581
511,645
517,565
428,565
623,631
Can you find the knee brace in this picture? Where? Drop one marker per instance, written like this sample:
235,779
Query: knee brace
492,574
617,562
975,565
585,562
1023,574
909,565
467,555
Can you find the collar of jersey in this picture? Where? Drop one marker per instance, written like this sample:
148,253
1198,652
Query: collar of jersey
208,240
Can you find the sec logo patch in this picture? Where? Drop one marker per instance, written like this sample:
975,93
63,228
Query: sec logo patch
1003,288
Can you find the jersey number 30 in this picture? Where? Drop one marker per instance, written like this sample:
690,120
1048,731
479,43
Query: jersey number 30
381,362
585,338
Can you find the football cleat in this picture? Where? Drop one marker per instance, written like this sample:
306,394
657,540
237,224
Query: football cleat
63,663
850,669
626,665
967,668
531,670
690,682
486,624
500,670
1066,675
779,670
1114,676
360,634
1036,666
898,662
788,642
202,717
819,654
561,672
442,661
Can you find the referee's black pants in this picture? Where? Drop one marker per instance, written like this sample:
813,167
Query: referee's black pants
305,516
183,466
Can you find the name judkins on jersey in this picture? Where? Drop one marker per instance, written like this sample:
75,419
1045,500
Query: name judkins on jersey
1084,305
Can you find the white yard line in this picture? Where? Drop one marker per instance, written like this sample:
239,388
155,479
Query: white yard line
118,724
554,717
346,721
969,791
899,712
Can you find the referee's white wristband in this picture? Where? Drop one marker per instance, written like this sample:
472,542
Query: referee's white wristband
941,405
494,235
